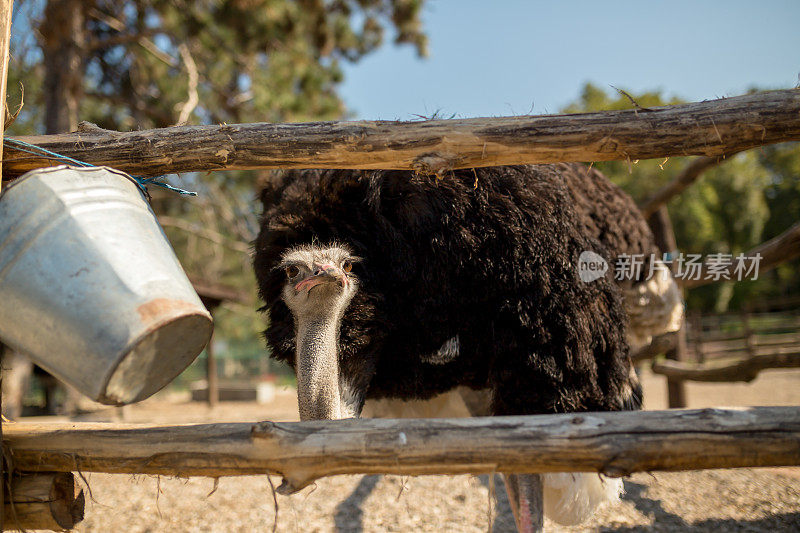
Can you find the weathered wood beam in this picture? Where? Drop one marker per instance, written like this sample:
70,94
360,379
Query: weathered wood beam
726,371
6,10
44,500
659,344
689,175
709,128
774,252
211,375
614,443
664,235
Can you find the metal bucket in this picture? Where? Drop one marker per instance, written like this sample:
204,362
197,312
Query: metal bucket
90,288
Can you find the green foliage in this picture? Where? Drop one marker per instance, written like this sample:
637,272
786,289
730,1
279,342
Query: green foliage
782,161
732,207
257,60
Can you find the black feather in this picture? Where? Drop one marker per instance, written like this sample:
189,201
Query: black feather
495,264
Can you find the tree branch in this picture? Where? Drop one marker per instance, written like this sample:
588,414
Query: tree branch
125,38
709,128
208,290
141,39
193,99
213,236
689,175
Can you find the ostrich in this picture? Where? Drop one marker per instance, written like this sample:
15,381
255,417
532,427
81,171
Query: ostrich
395,285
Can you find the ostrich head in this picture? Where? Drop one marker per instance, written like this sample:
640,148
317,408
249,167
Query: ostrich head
319,286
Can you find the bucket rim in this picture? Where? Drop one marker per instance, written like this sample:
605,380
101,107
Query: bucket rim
201,312
57,168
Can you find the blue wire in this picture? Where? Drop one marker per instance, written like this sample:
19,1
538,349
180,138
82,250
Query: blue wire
22,146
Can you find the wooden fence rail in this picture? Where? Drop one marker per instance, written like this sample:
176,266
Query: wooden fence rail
710,128
612,443
726,371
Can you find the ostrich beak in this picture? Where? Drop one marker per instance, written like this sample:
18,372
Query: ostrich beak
322,274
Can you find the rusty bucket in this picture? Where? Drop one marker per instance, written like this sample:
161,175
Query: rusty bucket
90,288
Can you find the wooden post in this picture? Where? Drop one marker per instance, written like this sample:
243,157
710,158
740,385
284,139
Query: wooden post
211,374
664,236
676,388
44,500
6,9
749,338
212,297
697,330
2,444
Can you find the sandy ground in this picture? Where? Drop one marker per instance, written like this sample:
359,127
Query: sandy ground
719,500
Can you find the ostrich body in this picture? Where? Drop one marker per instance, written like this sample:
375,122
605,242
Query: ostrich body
392,285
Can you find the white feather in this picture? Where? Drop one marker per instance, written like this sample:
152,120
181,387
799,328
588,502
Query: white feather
572,498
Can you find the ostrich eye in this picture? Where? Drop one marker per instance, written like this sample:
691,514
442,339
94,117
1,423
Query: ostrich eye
292,271
347,266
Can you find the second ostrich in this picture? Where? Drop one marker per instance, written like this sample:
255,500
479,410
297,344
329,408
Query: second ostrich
393,285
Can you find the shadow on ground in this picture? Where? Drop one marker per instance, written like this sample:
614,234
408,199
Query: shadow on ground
503,516
664,520
349,513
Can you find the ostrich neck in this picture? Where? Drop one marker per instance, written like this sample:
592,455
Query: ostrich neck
317,366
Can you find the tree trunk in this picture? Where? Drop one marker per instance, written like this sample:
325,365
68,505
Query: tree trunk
63,40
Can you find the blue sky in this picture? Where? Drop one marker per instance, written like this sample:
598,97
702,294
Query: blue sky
514,56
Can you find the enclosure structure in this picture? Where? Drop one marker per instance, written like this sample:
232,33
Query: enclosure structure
612,443
730,347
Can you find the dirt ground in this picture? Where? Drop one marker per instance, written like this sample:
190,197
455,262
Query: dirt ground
717,500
